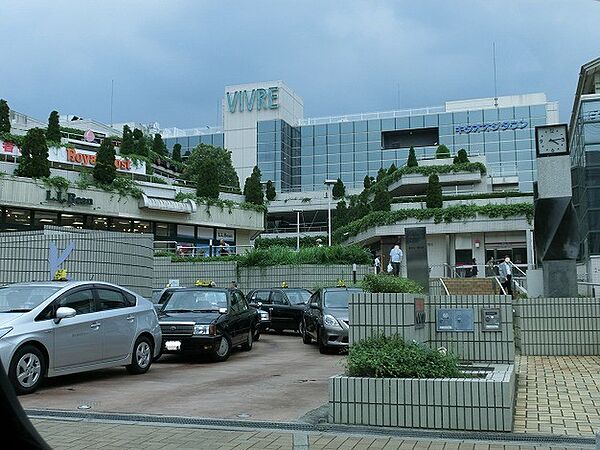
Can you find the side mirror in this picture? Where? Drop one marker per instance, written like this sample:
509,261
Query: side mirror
64,313
314,305
222,310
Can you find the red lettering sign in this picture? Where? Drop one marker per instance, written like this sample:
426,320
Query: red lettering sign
8,147
90,160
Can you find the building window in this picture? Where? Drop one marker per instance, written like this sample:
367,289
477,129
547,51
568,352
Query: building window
72,220
99,223
141,226
41,218
122,225
18,216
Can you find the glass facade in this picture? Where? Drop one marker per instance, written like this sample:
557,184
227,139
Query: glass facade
188,143
585,162
301,158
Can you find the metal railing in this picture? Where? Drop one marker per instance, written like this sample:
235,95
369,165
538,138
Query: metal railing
502,290
191,250
373,115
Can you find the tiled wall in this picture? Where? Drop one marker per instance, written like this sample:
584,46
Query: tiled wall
373,314
446,403
121,258
222,273
558,326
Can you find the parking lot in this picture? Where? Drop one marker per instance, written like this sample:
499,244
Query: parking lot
280,379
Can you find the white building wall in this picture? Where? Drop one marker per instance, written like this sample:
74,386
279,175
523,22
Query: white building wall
240,126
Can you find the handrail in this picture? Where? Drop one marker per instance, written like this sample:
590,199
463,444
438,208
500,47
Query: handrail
444,286
501,287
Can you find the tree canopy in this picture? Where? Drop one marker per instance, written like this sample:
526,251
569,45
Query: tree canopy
253,189
434,197
412,158
339,190
461,157
210,168
270,191
34,162
127,144
105,171
4,117
442,152
53,132
158,145
177,152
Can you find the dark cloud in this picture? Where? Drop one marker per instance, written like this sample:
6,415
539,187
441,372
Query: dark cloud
171,60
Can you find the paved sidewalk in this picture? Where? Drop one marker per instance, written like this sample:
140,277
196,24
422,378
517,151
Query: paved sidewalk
79,434
558,395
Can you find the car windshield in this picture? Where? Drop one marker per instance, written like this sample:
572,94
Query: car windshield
299,297
190,301
155,296
24,298
338,299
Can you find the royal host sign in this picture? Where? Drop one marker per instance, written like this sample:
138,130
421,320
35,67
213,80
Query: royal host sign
79,157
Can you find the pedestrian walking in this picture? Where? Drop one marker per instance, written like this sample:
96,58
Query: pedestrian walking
490,270
377,264
224,248
396,259
505,272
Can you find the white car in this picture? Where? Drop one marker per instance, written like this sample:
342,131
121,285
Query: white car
62,327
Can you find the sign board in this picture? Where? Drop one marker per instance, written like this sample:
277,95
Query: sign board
225,234
248,100
491,126
78,157
417,265
173,283
68,198
89,136
454,319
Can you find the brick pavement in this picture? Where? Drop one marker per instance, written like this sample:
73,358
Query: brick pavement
558,395
78,434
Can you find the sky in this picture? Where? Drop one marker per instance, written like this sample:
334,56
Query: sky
171,60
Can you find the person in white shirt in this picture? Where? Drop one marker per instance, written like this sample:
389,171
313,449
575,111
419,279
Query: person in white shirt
505,273
377,264
396,259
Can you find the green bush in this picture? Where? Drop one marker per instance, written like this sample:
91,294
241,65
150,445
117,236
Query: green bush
57,182
278,256
442,152
412,158
305,241
461,157
434,192
392,357
389,283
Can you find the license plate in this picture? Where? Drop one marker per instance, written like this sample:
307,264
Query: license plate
173,345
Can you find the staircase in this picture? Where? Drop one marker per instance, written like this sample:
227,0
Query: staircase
472,286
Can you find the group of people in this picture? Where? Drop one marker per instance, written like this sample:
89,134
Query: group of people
395,260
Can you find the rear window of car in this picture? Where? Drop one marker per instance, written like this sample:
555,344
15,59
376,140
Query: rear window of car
299,297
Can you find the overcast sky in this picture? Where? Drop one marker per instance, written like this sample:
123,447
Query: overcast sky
170,60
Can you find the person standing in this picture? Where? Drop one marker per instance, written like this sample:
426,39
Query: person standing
377,265
224,248
474,270
505,272
490,268
396,258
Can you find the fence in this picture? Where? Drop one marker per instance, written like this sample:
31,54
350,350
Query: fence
308,276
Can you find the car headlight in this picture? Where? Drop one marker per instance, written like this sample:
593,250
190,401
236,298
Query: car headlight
201,329
264,316
331,321
5,331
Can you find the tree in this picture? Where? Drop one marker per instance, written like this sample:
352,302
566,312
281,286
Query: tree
176,152
270,191
382,200
140,146
341,215
53,132
412,158
392,169
4,117
210,168
367,182
339,190
33,162
434,192
105,171
442,152
127,144
461,157
252,188
158,145
381,173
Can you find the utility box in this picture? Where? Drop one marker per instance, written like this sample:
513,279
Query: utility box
454,319
490,319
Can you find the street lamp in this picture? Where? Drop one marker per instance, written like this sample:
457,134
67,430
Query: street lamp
329,183
297,211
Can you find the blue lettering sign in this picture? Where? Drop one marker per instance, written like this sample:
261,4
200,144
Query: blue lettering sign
493,126
55,260
247,100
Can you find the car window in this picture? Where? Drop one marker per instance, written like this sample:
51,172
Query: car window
278,298
339,299
260,296
81,301
130,299
24,298
237,303
110,299
184,300
299,297
165,296
243,303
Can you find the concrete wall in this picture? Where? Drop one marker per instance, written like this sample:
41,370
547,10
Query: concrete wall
121,258
222,273
558,326
374,314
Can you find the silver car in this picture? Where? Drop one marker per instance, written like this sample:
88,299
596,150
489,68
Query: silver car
57,328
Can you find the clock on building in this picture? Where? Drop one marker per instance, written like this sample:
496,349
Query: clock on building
551,140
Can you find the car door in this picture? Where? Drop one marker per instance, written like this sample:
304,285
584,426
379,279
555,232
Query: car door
247,316
311,314
235,317
78,340
119,323
284,312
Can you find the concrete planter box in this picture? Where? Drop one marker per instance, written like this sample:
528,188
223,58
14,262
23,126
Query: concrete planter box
478,404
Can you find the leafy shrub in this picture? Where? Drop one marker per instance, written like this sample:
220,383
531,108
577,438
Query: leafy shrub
412,158
442,152
392,357
434,192
461,157
305,241
57,182
277,256
388,283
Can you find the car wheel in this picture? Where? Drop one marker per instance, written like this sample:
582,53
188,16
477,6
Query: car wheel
305,336
300,328
323,348
247,346
27,369
223,351
141,359
256,336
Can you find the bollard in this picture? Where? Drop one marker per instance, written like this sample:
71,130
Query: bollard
353,273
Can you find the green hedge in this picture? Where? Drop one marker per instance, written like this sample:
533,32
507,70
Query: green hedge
449,214
278,256
475,196
389,283
305,241
392,357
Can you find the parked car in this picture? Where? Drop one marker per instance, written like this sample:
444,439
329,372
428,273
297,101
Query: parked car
160,296
263,321
207,320
57,328
285,306
326,318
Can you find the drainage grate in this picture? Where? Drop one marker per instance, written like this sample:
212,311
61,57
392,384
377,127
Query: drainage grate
317,428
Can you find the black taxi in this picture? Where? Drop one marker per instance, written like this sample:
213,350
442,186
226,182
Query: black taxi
207,320
285,306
